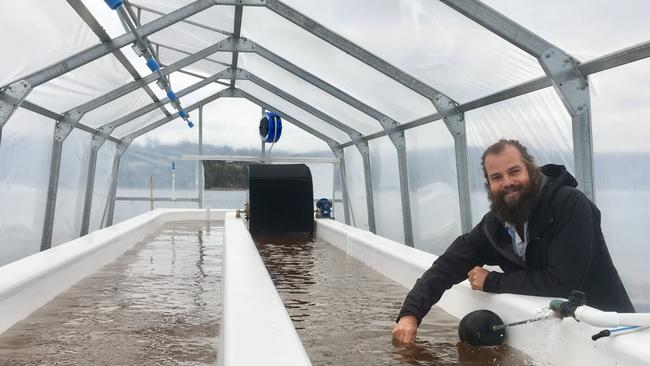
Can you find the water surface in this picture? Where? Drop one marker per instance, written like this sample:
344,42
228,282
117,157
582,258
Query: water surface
344,312
158,304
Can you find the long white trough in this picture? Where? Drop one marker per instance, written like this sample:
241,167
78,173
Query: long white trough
31,282
551,342
256,328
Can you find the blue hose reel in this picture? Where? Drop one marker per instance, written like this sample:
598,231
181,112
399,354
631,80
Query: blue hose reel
270,127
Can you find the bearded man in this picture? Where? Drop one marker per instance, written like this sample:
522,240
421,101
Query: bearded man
543,232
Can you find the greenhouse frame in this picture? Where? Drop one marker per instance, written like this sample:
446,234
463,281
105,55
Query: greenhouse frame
405,94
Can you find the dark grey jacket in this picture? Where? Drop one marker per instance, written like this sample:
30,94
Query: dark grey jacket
566,251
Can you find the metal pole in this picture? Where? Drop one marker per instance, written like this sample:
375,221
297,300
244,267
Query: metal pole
368,181
55,166
347,209
200,162
151,192
333,188
88,198
110,200
405,196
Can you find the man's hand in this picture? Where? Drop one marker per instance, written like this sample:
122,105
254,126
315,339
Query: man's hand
477,277
405,329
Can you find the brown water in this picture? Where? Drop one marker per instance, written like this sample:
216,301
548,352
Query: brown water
158,304
344,312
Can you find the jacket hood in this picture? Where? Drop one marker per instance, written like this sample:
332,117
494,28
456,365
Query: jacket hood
554,176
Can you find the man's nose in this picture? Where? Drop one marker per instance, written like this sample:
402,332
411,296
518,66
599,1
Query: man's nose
507,182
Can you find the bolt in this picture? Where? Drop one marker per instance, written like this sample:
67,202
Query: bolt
548,55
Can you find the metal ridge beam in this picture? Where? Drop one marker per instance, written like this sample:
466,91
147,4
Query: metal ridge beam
618,58
44,75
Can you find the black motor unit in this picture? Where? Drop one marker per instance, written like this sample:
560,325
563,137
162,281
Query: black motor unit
281,199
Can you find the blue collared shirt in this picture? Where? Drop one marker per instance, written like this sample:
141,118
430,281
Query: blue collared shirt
518,244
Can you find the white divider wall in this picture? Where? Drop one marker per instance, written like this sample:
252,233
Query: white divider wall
551,342
253,313
31,282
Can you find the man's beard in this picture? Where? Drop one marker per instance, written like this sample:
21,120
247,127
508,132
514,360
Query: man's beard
516,211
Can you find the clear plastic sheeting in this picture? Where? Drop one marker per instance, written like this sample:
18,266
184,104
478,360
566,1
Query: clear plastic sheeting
621,119
433,186
356,188
538,120
103,176
117,108
584,28
216,17
199,95
293,111
158,165
81,85
234,122
24,173
138,123
187,36
430,41
309,94
386,189
73,175
50,28
206,67
329,63
322,180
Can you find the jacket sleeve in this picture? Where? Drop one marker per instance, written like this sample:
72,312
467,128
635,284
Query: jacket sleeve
451,267
569,255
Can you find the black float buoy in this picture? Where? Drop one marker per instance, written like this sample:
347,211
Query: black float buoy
478,329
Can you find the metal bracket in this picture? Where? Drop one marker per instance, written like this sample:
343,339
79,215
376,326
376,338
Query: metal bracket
336,149
232,44
362,146
454,119
572,86
123,145
355,137
97,141
395,133
66,124
239,74
11,98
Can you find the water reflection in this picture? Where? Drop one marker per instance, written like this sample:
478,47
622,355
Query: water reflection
158,304
344,311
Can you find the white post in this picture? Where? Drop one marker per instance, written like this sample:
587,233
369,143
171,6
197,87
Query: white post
173,183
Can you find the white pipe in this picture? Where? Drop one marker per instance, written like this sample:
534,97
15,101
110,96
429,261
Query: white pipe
607,319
